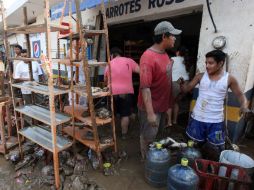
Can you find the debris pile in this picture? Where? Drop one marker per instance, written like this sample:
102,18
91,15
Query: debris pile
34,171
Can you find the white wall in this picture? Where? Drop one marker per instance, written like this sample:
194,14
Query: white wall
234,20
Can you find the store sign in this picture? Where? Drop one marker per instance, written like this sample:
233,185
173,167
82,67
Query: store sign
134,6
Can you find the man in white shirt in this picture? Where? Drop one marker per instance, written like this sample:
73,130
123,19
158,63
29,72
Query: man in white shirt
22,74
17,50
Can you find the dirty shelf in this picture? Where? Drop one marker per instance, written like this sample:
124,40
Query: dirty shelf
43,138
81,91
39,88
80,136
42,114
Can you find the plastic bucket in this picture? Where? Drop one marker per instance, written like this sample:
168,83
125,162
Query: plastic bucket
238,159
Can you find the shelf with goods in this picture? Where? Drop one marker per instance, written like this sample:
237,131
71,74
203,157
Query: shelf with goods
90,121
47,137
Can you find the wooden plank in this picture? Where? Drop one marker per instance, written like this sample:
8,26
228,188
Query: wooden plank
39,88
92,33
43,138
23,58
108,60
42,114
80,90
80,136
38,28
92,63
99,122
52,114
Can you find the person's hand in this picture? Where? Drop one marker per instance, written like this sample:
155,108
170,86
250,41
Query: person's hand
244,112
151,118
180,81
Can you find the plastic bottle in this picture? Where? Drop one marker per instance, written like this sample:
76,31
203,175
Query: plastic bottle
182,177
156,166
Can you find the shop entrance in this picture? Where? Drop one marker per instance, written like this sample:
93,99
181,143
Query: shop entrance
135,37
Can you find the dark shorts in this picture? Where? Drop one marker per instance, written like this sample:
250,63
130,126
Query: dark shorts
148,132
123,104
199,131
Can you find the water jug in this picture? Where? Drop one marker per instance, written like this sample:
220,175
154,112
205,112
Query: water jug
182,177
156,166
190,153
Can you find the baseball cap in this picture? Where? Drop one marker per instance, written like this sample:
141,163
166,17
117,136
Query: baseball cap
164,27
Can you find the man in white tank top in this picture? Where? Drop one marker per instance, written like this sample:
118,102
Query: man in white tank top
207,120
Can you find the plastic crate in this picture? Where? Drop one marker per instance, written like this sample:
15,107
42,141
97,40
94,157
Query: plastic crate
220,176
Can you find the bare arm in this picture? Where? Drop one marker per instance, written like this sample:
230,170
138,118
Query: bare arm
147,99
234,86
137,70
188,87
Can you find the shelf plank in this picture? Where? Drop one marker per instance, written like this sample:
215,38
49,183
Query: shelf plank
99,122
81,91
79,110
40,88
24,58
91,63
38,28
80,136
43,138
91,33
42,114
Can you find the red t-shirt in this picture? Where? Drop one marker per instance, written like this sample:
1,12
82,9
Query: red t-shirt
156,74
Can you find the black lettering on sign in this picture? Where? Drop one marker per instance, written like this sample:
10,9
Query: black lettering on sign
169,2
137,6
132,6
116,11
111,12
121,9
126,7
151,4
107,13
160,3
179,1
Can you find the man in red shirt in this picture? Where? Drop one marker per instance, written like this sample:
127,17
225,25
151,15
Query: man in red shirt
155,84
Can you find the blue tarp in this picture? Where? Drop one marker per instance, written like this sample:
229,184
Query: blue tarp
56,10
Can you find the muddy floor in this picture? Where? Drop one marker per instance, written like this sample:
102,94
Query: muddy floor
128,176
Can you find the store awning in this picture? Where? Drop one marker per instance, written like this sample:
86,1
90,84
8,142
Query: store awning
56,10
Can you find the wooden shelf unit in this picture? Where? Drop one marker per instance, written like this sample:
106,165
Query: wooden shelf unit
90,122
48,139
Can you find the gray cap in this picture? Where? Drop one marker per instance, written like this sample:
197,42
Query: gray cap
164,27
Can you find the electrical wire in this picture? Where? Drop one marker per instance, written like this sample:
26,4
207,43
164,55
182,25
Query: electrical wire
211,16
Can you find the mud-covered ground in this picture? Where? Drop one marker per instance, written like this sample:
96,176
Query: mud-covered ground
128,175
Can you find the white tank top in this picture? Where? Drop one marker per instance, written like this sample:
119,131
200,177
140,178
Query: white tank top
209,106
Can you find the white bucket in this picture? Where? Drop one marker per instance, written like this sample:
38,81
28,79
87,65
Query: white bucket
237,159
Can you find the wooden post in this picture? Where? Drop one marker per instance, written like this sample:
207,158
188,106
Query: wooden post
87,77
28,44
51,97
7,51
109,66
2,128
72,85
